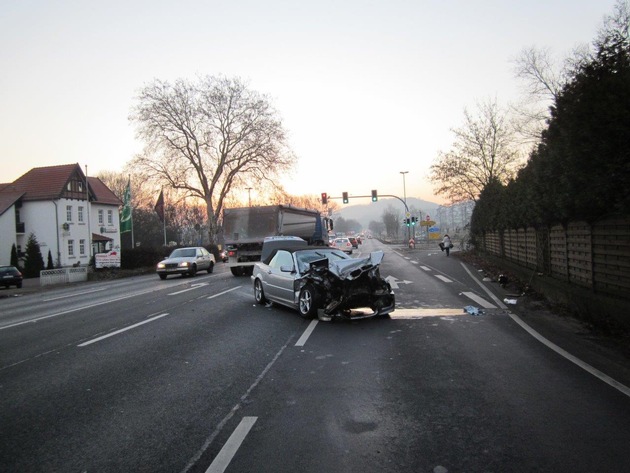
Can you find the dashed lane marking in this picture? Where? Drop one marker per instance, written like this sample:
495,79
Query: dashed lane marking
479,300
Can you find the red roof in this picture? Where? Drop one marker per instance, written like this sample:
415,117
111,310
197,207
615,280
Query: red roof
103,193
48,183
45,183
7,199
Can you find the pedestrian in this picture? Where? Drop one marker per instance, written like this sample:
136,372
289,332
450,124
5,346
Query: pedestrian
446,244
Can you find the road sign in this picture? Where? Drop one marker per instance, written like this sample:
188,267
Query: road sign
428,218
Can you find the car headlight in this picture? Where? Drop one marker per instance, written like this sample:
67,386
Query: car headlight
161,266
183,264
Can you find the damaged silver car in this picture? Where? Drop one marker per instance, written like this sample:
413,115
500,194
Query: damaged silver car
321,281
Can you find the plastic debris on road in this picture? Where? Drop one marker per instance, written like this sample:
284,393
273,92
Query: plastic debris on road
510,301
472,310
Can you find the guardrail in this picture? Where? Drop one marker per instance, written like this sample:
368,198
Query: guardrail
48,277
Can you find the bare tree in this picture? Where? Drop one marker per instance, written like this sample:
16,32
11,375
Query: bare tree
208,138
392,221
484,149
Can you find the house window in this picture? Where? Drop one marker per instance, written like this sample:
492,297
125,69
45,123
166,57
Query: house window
82,247
80,216
80,186
70,247
68,213
69,186
100,217
110,217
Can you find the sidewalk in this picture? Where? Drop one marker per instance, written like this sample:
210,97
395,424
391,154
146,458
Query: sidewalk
29,286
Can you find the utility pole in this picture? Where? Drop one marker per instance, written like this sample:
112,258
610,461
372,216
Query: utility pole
405,197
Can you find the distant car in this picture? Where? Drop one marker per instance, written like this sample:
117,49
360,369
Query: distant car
354,241
186,261
310,279
10,276
343,244
224,256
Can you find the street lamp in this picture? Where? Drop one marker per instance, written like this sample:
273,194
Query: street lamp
405,197
249,195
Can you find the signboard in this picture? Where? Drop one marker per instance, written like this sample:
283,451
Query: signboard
107,260
434,233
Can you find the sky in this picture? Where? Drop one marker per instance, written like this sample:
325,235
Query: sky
366,89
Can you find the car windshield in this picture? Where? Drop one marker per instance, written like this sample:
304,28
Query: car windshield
304,258
183,253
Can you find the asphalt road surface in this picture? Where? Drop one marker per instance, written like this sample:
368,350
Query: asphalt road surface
190,375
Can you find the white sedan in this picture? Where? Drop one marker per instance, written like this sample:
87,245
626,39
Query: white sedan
186,261
343,244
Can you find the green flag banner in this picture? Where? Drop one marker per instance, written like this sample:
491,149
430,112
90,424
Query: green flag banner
125,215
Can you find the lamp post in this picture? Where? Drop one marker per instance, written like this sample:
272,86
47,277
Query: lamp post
405,197
249,195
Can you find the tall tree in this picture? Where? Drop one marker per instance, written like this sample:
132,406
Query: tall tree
392,220
33,261
583,161
484,150
209,137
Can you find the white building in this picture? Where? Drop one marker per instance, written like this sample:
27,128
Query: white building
71,216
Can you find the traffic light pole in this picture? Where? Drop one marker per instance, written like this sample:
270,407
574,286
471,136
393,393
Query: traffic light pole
369,196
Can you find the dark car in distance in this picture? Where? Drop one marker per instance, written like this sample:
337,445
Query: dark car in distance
10,276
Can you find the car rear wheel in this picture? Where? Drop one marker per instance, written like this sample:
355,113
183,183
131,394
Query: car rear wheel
211,267
308,302
259,293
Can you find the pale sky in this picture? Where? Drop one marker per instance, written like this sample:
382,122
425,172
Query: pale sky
366,89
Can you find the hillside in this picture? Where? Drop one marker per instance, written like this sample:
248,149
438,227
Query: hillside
365,213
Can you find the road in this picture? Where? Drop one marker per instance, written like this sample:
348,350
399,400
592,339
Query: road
190,375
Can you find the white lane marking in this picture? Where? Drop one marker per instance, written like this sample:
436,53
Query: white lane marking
94,340
393,282
479,300
496,300
192,286
74,294
426,268
419,313
223,459
414,262
89,306
224,292
585,366
443,278
230,414
306,334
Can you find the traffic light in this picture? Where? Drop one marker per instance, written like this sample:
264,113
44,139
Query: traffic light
413,220
407,222
345,197
324,198
374,195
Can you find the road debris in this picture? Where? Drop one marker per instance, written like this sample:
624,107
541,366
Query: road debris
472,310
